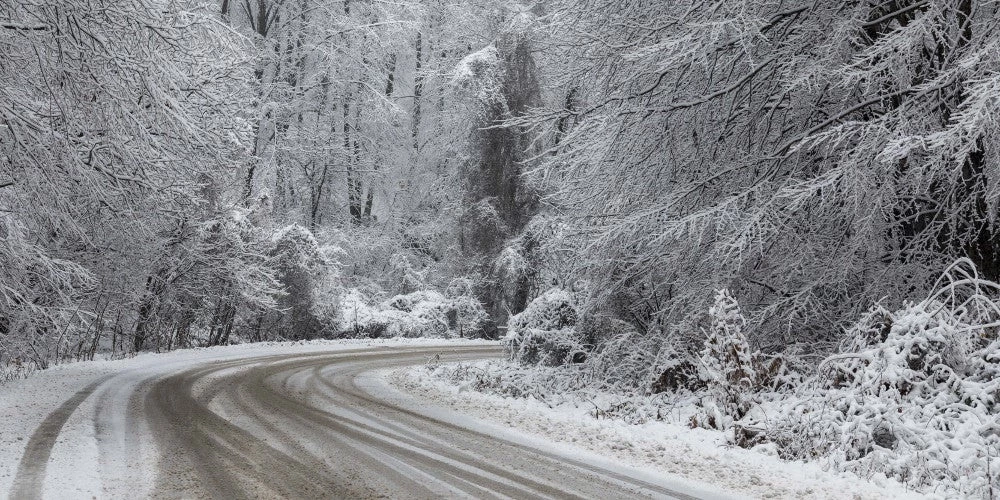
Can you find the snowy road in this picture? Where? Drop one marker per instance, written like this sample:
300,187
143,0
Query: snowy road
303,425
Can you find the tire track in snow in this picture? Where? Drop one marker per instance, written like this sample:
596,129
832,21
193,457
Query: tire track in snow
30,476
285,425
300,427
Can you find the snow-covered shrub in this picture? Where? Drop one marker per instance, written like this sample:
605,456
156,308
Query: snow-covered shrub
16,369
429,318
470,315
913,393
359,318
406,302
677,368
677,374
534,261
596,328
616,356
406,278
544,332
424,313
728,366
302,267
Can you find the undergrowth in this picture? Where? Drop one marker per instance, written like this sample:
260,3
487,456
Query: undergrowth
913,393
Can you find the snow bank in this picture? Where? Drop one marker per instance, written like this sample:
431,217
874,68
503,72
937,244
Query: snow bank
657,441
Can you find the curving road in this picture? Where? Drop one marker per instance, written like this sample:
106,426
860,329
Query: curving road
301,426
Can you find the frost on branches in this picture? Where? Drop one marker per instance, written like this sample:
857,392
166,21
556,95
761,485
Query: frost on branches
914,393
544,332
728,365
424,313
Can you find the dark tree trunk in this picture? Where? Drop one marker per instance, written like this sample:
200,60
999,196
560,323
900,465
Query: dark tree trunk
222,322
418,90
147,308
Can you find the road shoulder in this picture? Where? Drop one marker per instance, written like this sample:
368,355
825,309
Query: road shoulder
690,458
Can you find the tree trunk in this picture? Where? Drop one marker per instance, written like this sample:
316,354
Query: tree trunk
353,181
418,90
147,307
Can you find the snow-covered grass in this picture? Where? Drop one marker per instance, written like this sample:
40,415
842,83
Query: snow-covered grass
648,432
912,394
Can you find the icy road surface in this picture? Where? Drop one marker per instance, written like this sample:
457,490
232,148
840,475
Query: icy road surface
261,423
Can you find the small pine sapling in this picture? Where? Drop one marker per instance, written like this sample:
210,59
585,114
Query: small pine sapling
728,365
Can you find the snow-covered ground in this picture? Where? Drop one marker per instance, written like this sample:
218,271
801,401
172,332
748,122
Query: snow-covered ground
694,461
688,456
26,404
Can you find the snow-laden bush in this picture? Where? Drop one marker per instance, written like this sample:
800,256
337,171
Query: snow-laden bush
913,393
361,319
406,278
544,332
303,268
406,302
471,316
728,366
618,357
734,375
424,313
532,262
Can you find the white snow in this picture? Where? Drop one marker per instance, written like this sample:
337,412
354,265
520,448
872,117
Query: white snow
24,404
476,65
663,449
694,461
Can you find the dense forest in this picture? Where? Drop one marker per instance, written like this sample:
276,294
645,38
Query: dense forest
739,195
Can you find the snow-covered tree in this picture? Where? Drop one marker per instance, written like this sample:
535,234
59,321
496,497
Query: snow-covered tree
111,121
728,362
503,82
811,156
